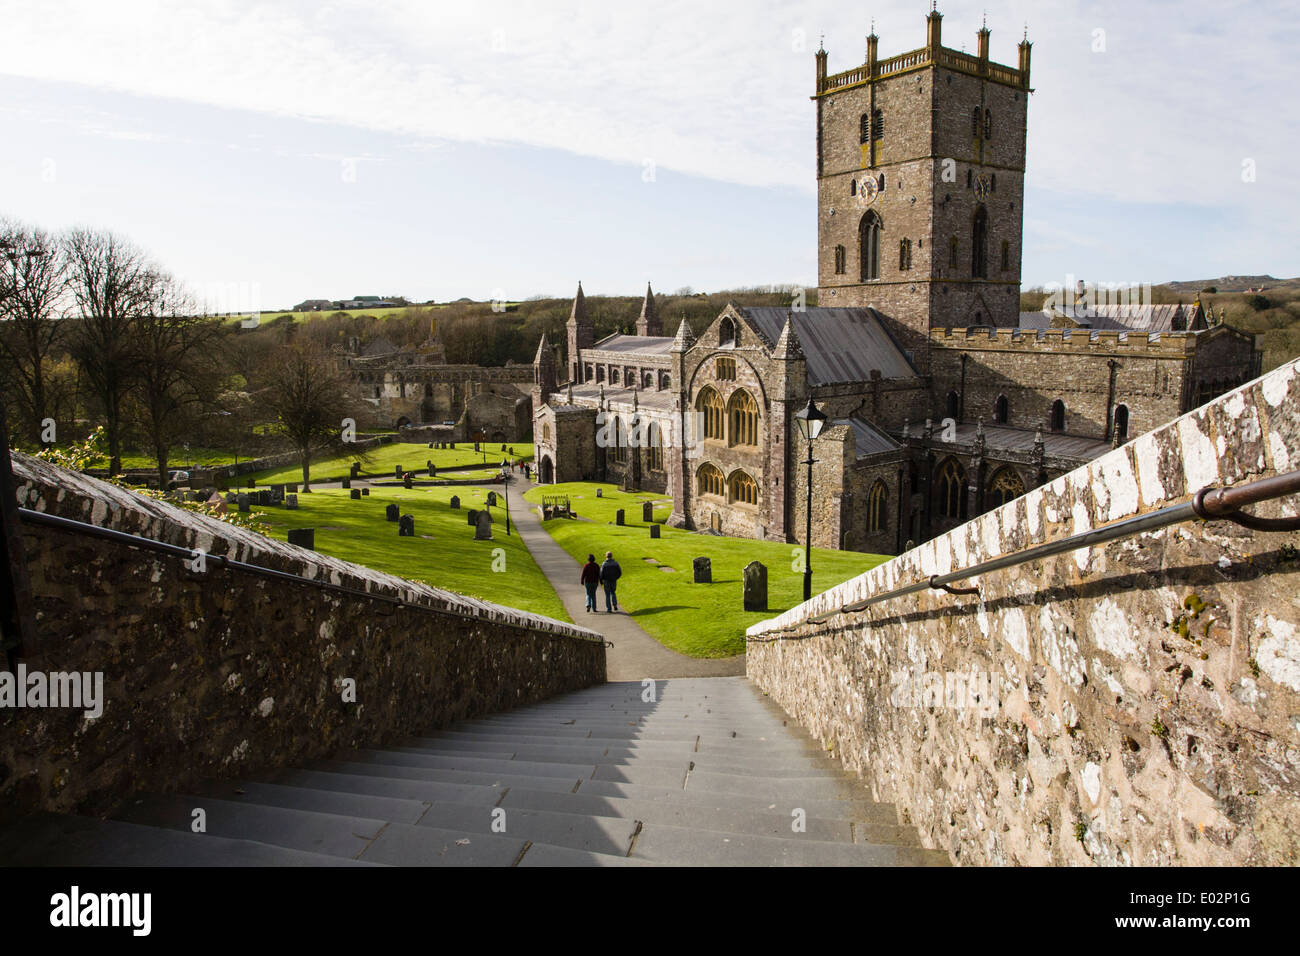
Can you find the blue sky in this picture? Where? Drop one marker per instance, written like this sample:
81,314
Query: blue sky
296,150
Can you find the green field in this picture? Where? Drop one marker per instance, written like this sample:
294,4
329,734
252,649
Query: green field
702,620
357,531
410,455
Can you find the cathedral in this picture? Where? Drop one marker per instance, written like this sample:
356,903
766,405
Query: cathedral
942,399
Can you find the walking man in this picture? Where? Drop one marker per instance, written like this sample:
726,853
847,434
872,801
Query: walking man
610,572
590,578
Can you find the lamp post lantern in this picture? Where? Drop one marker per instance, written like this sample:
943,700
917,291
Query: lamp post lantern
810,420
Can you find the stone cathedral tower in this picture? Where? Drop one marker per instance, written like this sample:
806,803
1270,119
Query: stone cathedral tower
920,185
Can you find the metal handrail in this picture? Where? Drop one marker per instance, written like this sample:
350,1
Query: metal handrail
175,550
1207,504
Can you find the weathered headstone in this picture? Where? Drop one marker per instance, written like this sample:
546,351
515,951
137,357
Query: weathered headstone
365,492
755,585
483,529
392,512
618,517
455,502
406,526
430,444
433,470
654,531
356,494
647,511
303,537
406,479
397,471
503,447
703,570
243,502
231,497
600,492
492,499
471,517
429,465
291,502
277,490
346,483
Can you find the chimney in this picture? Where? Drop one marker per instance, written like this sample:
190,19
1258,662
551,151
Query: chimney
1025,47
982,45
872,42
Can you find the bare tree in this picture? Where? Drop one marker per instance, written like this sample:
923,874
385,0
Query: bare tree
113,285
33,283
177,372
308,392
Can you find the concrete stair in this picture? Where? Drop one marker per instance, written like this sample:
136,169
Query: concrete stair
709,773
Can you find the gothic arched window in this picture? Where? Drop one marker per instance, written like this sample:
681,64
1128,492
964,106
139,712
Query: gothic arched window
951,488
726,332
864,128
876,507
743,489
709,405
1005,486
616,441
954,404
655,451
1001,410
1057,423
869,245
1121,422
979,263
878,125
709,481
743,413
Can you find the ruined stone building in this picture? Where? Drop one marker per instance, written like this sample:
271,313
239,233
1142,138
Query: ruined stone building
414,389
944,401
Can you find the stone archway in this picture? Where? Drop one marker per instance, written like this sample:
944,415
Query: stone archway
546,471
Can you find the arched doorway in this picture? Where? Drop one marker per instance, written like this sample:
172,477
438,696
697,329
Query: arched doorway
546,471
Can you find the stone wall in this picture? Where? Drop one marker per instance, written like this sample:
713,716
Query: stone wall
1133,703
225,673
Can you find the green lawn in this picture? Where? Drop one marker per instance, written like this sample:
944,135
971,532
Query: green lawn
702,620
410,455
357,531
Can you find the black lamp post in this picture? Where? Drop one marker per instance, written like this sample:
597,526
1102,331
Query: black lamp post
810,420
505,484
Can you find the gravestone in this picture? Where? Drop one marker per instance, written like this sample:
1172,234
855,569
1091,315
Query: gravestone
476,446
703,569
365,492
251,483
406,526
291,488
455,502
430,444
654,531
392,512
433,470
483,529
231,497
406,479
492,499
503,447
618,517
755,587
346,483
356,494
428,465
397,471
600,492
356,469
471,517
291,502
303,537
243,502
277,490
647,512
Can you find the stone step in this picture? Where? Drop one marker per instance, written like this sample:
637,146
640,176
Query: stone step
404,845
51,839
767,743
877,825
544,855
478,764
370,806
757,766
784,789
425,791
504,742
834,809
297,829
592,833
689,847
499,781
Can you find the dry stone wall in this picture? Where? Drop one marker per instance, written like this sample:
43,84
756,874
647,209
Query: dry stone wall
1133,703
225,673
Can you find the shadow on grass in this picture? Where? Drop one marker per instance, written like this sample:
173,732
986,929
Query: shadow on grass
657,610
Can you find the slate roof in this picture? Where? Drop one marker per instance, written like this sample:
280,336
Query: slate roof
868,440
1056,445
840,345
1120,318
644,344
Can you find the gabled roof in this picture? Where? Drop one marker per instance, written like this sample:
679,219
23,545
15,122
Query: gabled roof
1118,318
645,344
867,439
840,344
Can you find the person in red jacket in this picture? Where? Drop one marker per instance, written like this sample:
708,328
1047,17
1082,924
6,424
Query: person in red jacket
591,578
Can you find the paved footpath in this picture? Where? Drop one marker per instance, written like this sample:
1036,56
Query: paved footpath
635,654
